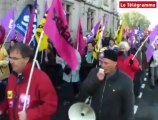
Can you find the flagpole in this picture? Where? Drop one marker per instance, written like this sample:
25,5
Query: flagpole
77,46
32,69
24,40
32,38
140,47
37,63
7,37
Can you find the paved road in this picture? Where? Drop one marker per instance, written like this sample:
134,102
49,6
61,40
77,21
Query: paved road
148,104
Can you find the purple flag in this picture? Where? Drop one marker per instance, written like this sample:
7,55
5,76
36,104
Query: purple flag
46,7
132,37
105,22
8,22
153,40
93,32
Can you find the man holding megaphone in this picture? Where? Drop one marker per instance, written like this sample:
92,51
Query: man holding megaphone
110,88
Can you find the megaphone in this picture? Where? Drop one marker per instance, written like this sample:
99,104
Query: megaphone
81,111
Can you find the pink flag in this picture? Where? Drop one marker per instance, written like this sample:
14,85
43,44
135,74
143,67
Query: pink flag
80,43
56,28
30,26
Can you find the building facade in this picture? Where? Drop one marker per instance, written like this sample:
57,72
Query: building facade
90,11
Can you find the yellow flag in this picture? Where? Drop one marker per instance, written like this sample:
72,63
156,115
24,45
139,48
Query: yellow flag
4,67
44,43
98,40
119,33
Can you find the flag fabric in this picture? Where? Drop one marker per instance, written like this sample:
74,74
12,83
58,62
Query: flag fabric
46,7
140,31
119,34
56,27
93,32
99,35
98,39
32,23
132,36
2,34
44,43
22,21
153,37
105,24
8,23
80,43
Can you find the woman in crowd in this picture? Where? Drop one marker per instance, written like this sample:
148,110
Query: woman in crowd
154,67
128,64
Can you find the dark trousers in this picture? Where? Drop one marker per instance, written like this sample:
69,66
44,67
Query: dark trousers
137,82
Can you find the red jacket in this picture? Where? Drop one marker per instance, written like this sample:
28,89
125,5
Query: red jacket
124,65
42,100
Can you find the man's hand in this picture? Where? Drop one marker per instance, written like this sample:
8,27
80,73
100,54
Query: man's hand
46,59
101,74
22,115
131,61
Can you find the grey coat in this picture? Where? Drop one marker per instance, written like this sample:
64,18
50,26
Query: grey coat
113,98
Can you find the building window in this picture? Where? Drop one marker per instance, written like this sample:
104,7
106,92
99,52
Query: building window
90,19
106,2
104,17
67,9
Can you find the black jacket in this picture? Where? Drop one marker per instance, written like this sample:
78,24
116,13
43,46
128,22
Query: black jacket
86,67
113,98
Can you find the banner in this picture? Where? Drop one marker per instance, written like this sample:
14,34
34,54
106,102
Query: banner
46,7
21,23
8,23
153,40
44,43
56,28
93,32
32,23
81,44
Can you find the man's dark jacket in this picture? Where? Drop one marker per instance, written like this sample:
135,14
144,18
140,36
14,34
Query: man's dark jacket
112,98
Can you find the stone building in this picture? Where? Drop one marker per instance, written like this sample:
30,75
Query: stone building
90,12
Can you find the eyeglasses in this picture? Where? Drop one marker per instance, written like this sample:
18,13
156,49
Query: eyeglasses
14,58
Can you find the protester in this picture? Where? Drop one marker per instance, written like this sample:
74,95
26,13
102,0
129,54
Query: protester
125,62
12,42
129,65
111,90
4,68
112,45
106,39
41,100
154,67
71,79
88,61
50,66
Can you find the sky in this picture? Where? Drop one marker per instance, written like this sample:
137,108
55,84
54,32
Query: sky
150,13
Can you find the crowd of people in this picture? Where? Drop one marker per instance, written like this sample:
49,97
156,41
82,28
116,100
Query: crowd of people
113,91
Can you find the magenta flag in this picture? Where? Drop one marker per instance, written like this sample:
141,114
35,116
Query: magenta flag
56,27
79,40
32,22
30,27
